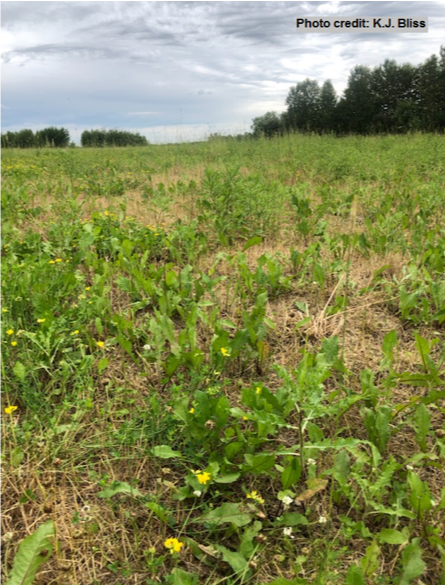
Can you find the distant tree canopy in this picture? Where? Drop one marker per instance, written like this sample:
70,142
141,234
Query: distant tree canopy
267,125
112,138
389,98
60,137
52,137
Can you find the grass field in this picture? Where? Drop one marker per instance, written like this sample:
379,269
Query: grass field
223,362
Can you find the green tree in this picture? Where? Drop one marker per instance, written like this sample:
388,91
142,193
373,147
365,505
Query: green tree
99,138
25,139
358,107
430,89
327,107
267,125
392,91
303,105
57,137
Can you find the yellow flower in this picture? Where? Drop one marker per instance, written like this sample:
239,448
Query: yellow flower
173,545
203,476
58,259
258,390
10,332
224,351
13,343
192,410
51,262
10,409
100,343
41,320
254,495
87,287
4,310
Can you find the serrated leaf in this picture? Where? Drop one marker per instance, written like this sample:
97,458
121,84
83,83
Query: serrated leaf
370,561
227,513
330,348
165,452
34,550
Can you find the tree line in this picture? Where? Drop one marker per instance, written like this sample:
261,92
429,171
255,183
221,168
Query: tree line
112,138
60,138
390,98
56,137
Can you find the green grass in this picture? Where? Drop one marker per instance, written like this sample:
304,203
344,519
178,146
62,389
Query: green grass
237,345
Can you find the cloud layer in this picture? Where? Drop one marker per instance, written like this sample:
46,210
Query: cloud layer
178,70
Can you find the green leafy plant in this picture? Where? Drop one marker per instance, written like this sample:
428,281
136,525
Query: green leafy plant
33,552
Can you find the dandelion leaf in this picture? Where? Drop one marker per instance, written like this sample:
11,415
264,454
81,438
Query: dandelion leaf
34,550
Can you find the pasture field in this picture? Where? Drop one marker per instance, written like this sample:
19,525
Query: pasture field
223,362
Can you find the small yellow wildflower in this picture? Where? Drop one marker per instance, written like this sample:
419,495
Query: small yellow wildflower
100,343
87,287
75,332
203,476
13,343
173,545
258,390
4,310
245,418
41,320
10,332
58,259
51,262
192,410
254,495
224,351
10,409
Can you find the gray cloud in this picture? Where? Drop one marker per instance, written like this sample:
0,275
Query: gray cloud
142,65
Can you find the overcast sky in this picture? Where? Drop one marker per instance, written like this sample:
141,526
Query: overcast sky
181,70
